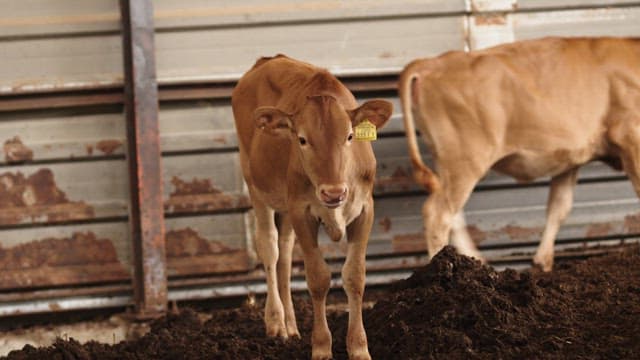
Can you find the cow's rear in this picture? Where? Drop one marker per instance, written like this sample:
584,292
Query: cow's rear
529,109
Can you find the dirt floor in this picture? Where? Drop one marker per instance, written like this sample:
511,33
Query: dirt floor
452,308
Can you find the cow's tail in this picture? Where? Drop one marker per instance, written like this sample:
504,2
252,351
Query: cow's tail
421,172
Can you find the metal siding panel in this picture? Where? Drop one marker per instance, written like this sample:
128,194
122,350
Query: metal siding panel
60,63
208,244
64,255
586,22
172,14
550,4
49,136
75,191
48,17
197,126
65,135
355,47
379,41
222,169
63,192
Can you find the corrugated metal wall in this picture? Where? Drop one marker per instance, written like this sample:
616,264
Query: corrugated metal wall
63,174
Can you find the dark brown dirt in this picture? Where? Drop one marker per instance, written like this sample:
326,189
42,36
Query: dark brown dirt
452,308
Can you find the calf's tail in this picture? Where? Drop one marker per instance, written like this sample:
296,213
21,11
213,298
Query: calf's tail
422,174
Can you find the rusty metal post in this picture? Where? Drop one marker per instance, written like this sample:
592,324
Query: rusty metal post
145,172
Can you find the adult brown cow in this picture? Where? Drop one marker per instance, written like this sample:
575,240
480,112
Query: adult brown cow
528,109
295,123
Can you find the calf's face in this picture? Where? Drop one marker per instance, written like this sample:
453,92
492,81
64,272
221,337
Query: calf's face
321,132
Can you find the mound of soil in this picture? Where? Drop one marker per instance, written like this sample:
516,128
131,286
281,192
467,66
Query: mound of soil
452,308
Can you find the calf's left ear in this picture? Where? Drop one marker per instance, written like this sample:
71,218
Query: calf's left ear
272,120
376,111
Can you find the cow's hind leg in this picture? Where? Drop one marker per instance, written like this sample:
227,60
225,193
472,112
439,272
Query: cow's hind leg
286,239
266,241
444,203
558,208
461,239
625,134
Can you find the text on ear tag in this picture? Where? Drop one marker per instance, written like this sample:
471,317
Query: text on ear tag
366,131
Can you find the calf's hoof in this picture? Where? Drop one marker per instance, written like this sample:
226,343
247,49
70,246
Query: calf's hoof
276,328
360,355
292,331
321,355
277,331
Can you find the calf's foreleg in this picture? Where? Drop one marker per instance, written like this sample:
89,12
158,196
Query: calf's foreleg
286,239
266,241
353,278
318,281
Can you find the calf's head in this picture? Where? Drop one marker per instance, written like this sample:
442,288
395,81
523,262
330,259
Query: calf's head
321,132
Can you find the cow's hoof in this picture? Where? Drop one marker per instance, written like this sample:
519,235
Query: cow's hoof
475,255
544,262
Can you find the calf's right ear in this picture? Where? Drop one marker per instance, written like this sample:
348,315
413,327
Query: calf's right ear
272,120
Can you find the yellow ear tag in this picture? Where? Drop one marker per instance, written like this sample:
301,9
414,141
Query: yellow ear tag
366,131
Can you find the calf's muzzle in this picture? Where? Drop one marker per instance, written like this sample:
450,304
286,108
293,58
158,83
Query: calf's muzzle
333,196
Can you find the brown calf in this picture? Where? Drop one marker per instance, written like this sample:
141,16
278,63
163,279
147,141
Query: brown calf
529,109
300,161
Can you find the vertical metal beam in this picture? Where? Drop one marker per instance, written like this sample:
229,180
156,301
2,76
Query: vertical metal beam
145,172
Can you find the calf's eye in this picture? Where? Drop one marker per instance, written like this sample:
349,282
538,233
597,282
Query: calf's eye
302,140
350,137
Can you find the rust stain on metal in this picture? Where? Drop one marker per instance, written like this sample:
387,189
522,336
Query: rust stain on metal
37,199
187,242
194,187
221,140
476,234
82,258
54,306
201,195
108,146
632,224
189,253
414,242
385,223
597,230
15,151
490,19
89,148
385,55
399,179
519,232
